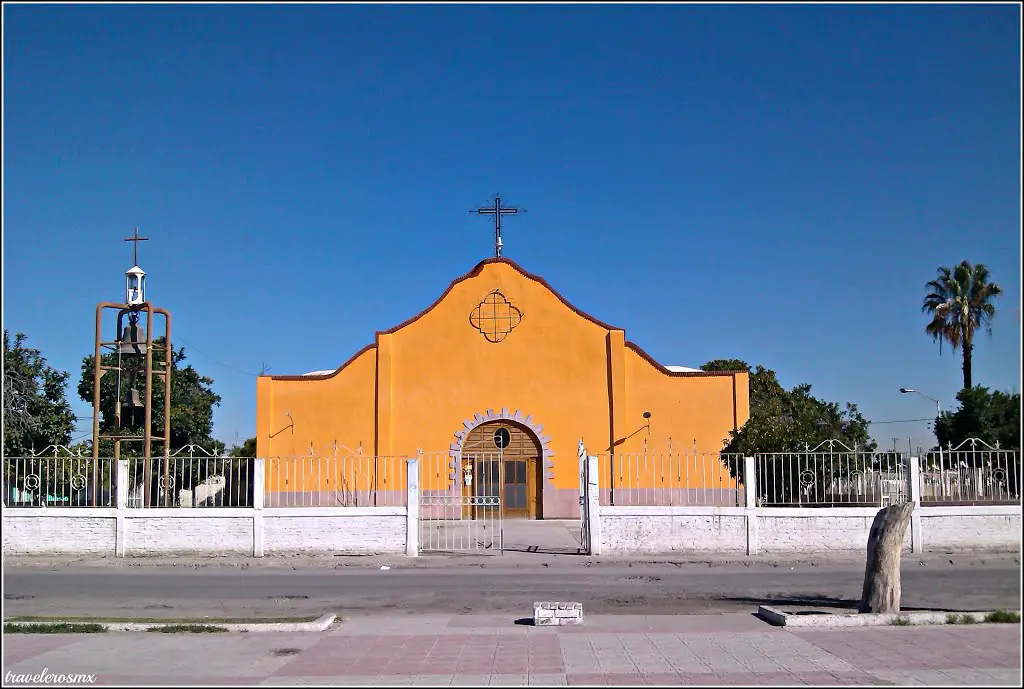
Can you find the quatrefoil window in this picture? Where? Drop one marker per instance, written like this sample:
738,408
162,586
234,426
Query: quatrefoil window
495,317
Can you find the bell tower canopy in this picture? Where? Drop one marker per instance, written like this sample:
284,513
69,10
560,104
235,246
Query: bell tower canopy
135,286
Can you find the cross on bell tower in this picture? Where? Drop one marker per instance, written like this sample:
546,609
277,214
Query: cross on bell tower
497,210
135,238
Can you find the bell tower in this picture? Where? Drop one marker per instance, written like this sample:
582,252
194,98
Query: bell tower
133,408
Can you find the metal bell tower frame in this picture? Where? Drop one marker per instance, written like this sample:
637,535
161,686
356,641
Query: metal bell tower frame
134,306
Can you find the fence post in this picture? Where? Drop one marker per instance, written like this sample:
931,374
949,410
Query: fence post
914,496
120,504
258,479
750,502
412,507
593,506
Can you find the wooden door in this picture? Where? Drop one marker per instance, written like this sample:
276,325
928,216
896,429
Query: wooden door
505,461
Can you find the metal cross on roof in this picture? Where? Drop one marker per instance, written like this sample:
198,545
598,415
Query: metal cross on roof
497,211
136,239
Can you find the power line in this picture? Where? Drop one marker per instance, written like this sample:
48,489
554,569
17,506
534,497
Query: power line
900,421
219,363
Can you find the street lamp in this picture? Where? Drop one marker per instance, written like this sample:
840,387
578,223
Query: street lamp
938,407
938,413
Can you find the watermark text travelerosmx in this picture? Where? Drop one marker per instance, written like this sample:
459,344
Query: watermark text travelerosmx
47,677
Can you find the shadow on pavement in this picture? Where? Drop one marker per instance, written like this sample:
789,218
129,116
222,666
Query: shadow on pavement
818,601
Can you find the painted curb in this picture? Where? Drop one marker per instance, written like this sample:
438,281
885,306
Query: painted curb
854,619
318,625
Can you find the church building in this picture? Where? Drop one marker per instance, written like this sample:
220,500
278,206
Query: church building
501,363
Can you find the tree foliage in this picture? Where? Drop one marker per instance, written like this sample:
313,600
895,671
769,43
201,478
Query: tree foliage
36,410
959,302
240,474
246,449
993,417
726,365
192,402
792,421
191,417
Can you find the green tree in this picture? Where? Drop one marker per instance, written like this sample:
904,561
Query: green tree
239,474
959,302
726,365
992,417
191,415
36,410
246,449
783,422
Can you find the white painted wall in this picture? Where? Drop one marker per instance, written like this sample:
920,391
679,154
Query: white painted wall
958,528
634,529
337,530
798,530
384,530
41,530
814,530
356,530
158,531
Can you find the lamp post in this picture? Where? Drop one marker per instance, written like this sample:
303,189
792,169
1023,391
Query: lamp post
938,413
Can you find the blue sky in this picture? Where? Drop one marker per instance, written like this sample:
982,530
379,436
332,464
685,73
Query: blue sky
773,183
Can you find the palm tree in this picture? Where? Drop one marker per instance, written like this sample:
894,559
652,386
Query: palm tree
959,302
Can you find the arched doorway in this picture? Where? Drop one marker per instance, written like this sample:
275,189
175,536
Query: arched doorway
505,459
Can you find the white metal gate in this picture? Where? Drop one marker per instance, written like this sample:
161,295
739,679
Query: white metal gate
584,501
460,503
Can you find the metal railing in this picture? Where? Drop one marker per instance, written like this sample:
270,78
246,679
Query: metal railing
461,502
972,473
335,481
191,477
59,477
829,475
698,478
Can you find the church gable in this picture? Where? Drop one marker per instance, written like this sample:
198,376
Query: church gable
495,299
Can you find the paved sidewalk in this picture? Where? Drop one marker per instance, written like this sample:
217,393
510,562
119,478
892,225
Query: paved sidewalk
734,649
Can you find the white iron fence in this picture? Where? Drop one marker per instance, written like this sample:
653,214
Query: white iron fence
335,481
829,475
699,478
58,477
972,473
191,477
462,501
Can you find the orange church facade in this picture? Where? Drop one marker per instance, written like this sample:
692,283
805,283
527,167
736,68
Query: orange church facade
500,349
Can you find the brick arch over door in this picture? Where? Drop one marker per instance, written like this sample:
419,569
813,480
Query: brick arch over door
455,450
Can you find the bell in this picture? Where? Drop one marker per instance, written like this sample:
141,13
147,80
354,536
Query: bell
133,340
134,400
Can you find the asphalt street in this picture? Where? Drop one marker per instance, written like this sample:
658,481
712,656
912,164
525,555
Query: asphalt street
187,588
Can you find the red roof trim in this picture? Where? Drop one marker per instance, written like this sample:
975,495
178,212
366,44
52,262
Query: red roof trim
476,271
677,374
325,376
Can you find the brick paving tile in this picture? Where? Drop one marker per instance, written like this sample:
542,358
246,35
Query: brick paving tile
169,681
19,647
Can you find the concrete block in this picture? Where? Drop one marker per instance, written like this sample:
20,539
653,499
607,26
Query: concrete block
556,613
